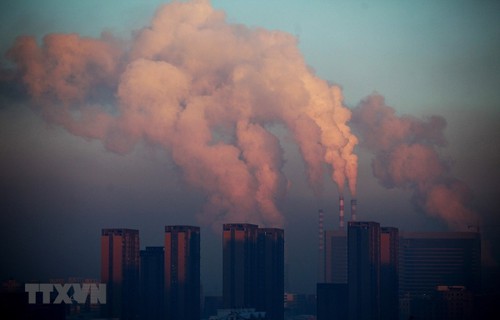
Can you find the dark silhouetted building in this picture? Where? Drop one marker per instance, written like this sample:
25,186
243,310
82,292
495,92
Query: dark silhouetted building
332,301
120,272
182,273
445,302
270,272
432,259
239,265
363,244
455,302
253,269
152,283
336,256
389,273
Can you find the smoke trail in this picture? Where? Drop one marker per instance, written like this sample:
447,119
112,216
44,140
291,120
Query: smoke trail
207,91
407,156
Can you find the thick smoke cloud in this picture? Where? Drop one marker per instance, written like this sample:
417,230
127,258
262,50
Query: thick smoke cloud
207,91
407,156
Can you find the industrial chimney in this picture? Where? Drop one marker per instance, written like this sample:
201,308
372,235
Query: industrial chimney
341,212
321,243
354,204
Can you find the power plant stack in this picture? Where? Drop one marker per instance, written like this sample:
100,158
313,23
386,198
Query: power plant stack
341,212
321,242
354,204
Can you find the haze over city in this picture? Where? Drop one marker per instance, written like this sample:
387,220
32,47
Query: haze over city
134,114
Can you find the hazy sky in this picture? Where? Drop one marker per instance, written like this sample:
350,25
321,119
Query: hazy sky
57,190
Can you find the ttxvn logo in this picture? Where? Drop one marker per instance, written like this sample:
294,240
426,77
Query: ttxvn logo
66,293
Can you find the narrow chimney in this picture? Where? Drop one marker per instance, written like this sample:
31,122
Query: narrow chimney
320,228
341,212
354,204
321,243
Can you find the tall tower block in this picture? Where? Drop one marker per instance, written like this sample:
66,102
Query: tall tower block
120,272
182,272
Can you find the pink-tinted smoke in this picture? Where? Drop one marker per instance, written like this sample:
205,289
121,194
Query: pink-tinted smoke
407,156
207,91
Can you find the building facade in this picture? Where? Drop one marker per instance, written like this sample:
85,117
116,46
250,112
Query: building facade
363,243
253,269
432,259
270,272
239,265
389,273
152,283
120,272
335,256
182,273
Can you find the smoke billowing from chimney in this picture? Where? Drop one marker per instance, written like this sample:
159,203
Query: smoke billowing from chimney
210,92
207,91
407,156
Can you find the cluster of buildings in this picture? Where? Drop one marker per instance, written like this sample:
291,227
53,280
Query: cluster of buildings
164,282
366,271
374,272
370,271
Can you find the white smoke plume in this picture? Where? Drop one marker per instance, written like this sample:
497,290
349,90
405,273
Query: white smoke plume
207,91
407,156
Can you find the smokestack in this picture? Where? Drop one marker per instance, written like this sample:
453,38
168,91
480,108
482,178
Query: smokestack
320,245
354,203
341,212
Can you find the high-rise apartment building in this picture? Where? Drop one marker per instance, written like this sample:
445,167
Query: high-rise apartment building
336,256
152,283
182,273
239,265
270,272
253,268
389,273
363,243
120,272
432,259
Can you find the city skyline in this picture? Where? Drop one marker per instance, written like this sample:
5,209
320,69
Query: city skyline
257,254
432,77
